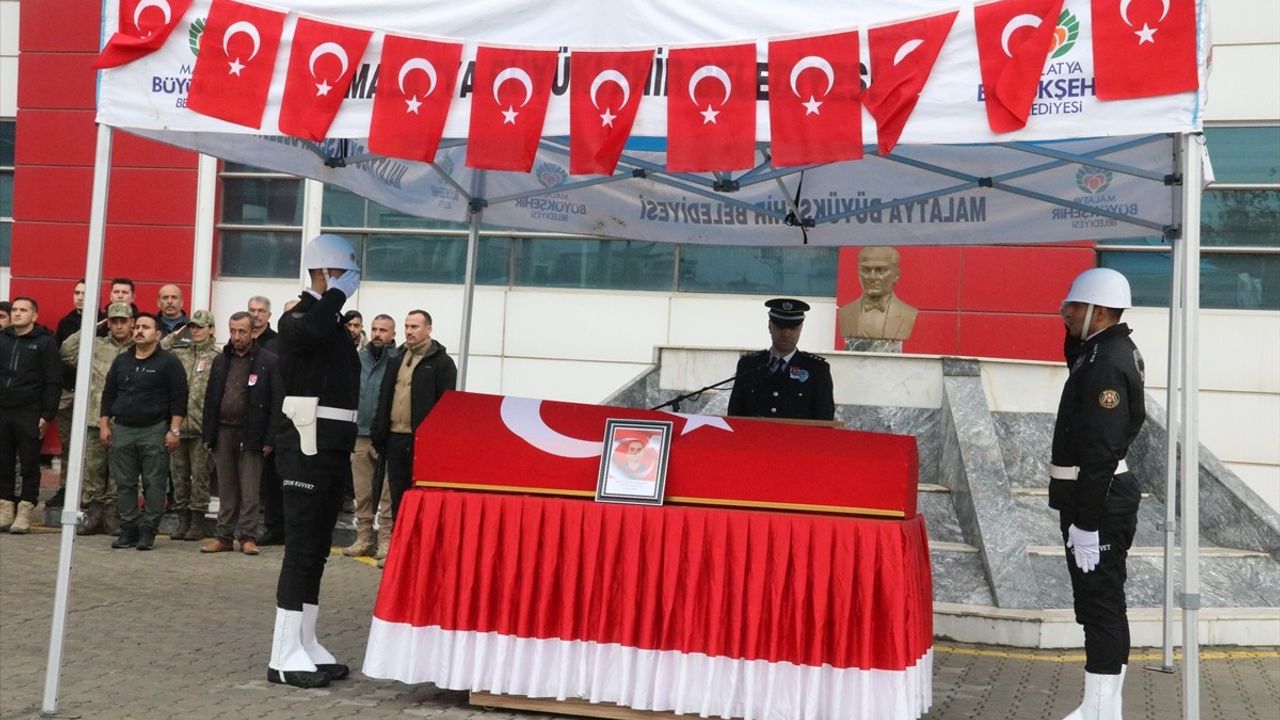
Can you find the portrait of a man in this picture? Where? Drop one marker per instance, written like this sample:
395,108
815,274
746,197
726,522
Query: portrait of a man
876,314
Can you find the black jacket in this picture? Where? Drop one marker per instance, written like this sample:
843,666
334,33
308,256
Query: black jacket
317,359
144,392
266,393
67,326
1099,416
802,390
30,370
434,375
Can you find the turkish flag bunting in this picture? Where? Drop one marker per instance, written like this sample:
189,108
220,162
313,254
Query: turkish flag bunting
237,56
508,107
604,95
814,86
415,89
711,108
321,64
1144,48
1014,40
144,26
902,58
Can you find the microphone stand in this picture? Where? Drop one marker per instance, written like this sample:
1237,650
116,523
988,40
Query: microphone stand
674,403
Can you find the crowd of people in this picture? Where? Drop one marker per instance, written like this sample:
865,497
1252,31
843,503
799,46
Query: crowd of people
177,415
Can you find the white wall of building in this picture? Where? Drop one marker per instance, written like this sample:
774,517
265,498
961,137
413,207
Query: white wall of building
8,86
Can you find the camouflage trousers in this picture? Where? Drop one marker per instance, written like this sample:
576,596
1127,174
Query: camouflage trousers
190,470
63,420
97,485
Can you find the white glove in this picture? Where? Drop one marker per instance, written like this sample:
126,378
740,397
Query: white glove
1085,545
348,283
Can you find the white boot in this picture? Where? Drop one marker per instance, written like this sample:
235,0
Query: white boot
1117,698
1101,697
8,510
290,663
324,660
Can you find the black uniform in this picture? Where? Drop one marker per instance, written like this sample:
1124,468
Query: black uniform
800,388
1101,411
317,359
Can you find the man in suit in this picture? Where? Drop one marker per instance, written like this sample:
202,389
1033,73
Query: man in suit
783,381
877,313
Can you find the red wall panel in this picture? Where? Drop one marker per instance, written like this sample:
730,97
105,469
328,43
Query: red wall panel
47,26
153,254
935,333
53,295
56,80
51,194
1027,337
49,250
139,152
54,137
153,197
1020,279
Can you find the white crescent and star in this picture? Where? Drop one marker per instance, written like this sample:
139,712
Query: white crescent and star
816,63
716,73
520,76
1147,34
617,78
164,8
237,28
1018,21
523,417
417,63
327,48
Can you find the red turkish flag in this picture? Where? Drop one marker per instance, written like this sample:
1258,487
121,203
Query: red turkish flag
1144,48
814,87
1014,40
902,58
604,95
508,107
237,56
415,88
144,27
322,62
711,108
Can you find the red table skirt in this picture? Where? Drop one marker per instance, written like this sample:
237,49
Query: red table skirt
691,609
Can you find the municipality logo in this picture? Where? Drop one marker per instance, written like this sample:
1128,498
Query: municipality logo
1093,180
550,174
193,35
1065,34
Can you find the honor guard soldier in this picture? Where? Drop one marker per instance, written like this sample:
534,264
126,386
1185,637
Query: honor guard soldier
1100,413
321,375
783,382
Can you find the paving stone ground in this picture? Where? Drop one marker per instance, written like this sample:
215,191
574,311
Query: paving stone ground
176,634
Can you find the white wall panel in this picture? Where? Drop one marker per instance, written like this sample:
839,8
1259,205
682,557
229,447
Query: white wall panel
232,295
1239,349
741,321
444,302
1262,479
568,380
8,87
611,327
1241,427
1238,22
8,27
1244,83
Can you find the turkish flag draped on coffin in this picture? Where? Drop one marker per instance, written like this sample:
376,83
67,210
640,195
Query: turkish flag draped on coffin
605,91
144,26
508,106
711,108
1014,39
902,58
1144,48
414,92
814,85
237,56
322,63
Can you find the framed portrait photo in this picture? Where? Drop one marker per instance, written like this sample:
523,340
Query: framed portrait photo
633,463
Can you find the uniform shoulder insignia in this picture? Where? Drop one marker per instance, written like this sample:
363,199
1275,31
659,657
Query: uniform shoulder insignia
811,356
1109,399
754,353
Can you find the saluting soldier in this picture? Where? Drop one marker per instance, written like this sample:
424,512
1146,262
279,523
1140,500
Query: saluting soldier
191,465
783,381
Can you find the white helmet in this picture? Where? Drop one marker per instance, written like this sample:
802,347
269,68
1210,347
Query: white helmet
329,251
1102,287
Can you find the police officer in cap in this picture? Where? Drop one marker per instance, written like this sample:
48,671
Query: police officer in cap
321,374
1099,415
783,382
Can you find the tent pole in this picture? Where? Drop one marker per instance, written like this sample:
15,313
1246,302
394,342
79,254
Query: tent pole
469,289
79,416
1191,189
1173,423
202,257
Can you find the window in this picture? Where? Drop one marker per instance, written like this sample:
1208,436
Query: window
1239,226
261,227
7,130
758,270
611,264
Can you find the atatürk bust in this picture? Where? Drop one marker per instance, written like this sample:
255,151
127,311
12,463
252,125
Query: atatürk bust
877,313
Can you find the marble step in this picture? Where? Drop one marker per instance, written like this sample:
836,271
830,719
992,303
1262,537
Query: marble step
932,488
1044,492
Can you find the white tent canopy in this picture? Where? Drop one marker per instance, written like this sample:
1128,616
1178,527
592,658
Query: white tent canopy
1082,168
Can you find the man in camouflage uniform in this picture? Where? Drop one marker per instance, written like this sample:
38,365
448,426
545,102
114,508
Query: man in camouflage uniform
191,465
98,491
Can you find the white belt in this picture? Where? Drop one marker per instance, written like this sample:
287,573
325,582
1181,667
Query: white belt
1059,472
333,413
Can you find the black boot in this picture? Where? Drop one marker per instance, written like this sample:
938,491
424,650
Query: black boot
298,678
271,536
128,537
184,524
334,671
58,499
146,538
